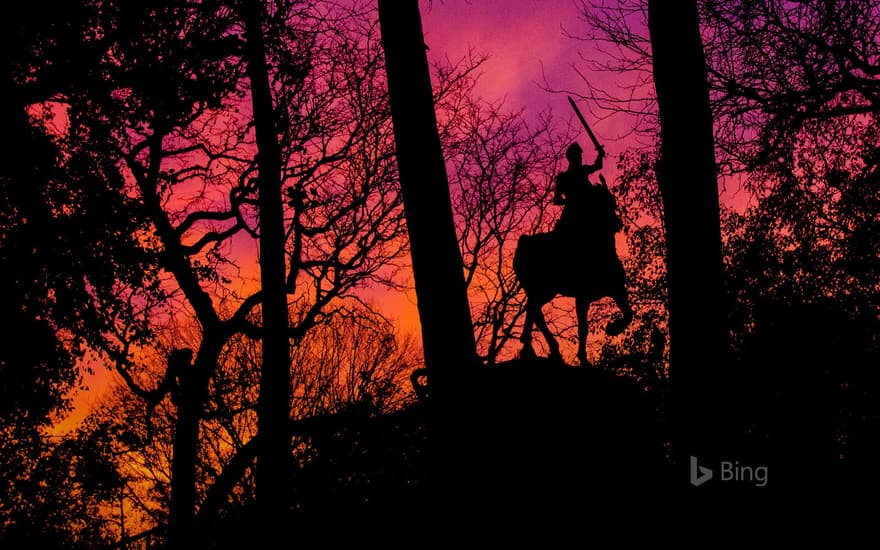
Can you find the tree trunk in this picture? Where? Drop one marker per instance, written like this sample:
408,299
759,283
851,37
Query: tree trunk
274,454
193,385
444,313
688,183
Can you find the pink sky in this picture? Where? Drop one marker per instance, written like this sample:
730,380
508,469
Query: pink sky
527,46
525,42
518,36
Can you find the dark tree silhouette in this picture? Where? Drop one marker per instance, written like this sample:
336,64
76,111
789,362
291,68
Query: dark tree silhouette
778,72
64,237
772,68
340,383
447,330
793,90
805,324
688,184
165,161
273,461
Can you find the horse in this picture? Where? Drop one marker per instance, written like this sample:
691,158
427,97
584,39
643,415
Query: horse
545,271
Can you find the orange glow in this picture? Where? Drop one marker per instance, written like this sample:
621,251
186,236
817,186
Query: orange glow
525,41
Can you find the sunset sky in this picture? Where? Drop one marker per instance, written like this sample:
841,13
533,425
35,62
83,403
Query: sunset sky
530,48
213,216
526,43
520,38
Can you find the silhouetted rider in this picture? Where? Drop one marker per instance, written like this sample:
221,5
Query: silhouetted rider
589,218
573,190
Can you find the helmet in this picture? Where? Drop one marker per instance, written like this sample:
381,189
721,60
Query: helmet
574,151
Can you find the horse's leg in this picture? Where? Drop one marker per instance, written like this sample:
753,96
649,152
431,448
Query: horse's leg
617,326
527,351
548,336
582,310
